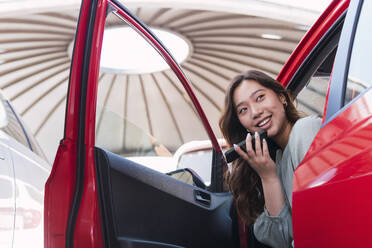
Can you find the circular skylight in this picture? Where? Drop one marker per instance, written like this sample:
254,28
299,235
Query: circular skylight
125,51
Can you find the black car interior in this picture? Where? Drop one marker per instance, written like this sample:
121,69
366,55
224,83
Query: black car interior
141,207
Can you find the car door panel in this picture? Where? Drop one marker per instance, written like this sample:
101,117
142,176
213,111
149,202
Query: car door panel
111,196
148,208
336,175
145,208
332,186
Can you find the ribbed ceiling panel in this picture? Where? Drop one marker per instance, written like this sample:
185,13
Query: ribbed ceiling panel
34,65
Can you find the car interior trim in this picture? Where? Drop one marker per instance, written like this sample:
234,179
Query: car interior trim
144,189
104,198
218,166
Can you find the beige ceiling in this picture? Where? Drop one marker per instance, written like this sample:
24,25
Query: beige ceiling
34,60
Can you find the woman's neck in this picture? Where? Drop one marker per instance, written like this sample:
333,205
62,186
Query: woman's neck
281,139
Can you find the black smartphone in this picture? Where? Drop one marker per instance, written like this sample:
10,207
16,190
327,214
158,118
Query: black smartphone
231,154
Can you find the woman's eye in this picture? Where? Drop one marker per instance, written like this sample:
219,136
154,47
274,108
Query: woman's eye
260,98
242,110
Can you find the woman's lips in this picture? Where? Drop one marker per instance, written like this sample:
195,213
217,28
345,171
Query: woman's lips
265,124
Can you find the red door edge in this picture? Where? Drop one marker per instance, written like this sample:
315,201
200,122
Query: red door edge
60,186
311,38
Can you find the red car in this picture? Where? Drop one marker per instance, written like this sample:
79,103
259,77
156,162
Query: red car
96,198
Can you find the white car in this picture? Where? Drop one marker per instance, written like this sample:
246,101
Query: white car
197,156
23,173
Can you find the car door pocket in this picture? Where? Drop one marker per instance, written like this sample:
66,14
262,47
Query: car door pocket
202,197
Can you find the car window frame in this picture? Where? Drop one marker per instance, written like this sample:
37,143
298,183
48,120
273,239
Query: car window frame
338,84
218,161
311,63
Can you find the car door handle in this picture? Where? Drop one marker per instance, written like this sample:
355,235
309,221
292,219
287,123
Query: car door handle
202,197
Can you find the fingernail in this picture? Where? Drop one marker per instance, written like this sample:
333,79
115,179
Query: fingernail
248,135
235,146
263,140
256,134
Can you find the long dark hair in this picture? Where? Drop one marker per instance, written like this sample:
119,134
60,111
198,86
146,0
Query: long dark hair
244,183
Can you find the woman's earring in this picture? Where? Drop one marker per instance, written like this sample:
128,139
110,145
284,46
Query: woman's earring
285,104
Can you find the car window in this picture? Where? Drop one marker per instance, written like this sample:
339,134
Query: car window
359,76
204,156
310,83
311,99
143,114
17,130
13,128
35,147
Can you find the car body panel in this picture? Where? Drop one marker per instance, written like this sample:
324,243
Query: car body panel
336,176
61,182
31,173
331,186
7,192
23,173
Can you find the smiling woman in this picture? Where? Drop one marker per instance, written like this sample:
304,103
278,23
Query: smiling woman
261,187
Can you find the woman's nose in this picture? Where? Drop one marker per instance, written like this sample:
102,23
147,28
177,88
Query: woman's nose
256,111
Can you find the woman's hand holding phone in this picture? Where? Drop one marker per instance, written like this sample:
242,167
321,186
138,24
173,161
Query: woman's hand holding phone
259,159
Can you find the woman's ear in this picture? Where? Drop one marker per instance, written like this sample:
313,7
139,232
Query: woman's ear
282,99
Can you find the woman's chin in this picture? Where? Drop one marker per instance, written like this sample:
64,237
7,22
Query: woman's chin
271,133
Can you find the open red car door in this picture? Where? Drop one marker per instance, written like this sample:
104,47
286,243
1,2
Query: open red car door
95,197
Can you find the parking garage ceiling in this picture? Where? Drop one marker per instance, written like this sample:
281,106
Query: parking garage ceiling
35,59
